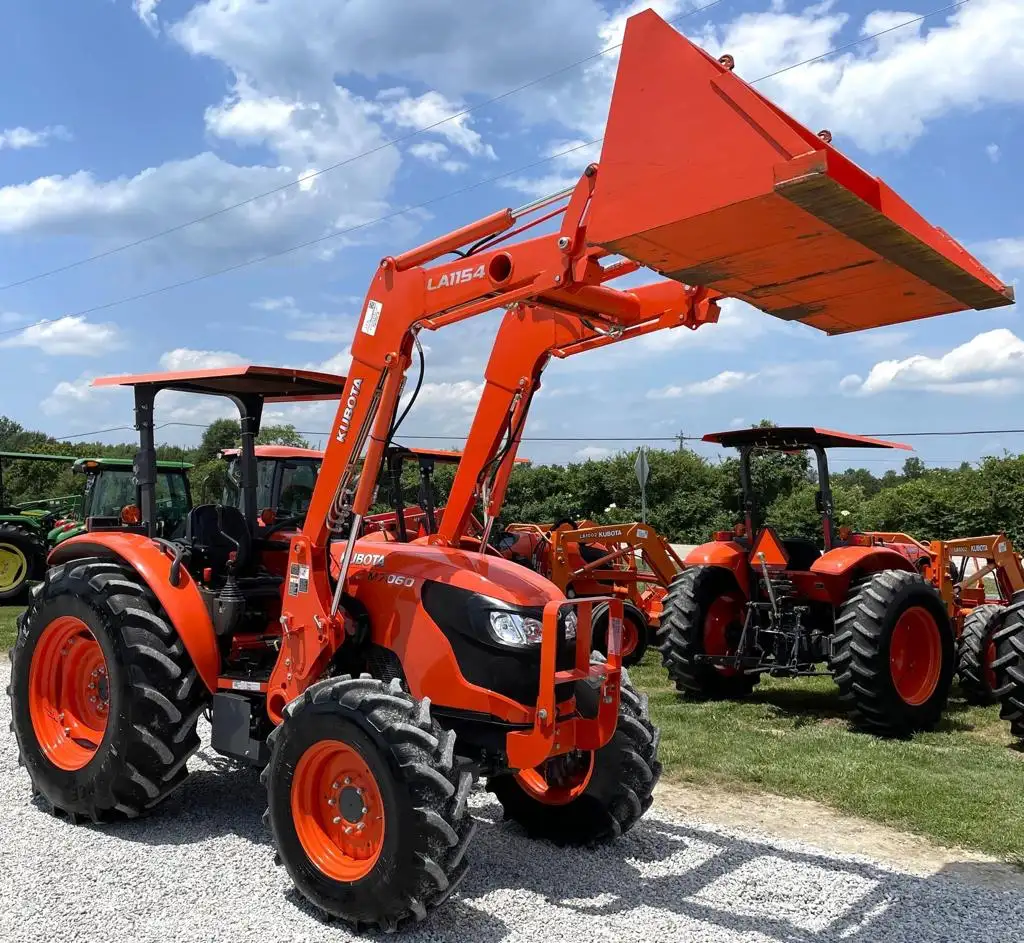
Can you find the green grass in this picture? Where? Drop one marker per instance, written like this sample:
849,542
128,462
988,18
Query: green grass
962,784
8,628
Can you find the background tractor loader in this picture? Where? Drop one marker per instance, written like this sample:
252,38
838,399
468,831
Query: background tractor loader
373,679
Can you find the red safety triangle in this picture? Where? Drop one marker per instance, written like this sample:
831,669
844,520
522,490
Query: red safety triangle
768,543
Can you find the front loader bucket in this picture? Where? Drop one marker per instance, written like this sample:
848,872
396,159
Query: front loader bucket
707,182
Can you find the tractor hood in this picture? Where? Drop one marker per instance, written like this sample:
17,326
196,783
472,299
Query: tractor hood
488,575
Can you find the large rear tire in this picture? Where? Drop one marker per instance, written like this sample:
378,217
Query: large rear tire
22,559
1009,667
893,654
367,806
703,615
976,651
104,696
593,797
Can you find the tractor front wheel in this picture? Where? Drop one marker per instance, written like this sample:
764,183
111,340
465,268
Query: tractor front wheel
893,653
976,651
21,560
589,797
703,614
367,806
104,696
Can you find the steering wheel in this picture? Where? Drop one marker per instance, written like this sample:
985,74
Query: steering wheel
281,525
565,520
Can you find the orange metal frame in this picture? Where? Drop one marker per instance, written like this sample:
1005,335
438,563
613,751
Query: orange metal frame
618,569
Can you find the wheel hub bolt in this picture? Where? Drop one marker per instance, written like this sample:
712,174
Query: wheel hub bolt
336,820
67,731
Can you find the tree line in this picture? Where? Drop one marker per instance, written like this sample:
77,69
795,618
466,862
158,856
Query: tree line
689,496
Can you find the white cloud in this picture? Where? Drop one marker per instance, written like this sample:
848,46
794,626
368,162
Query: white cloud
68,336
15,139
884,93
284,303
1003,254
722,382
406,111
185,358
321,330
989,363
591,453
66,395
993,153
436,152
145,10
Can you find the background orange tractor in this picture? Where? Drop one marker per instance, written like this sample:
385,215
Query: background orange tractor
632,561
374,680
752,603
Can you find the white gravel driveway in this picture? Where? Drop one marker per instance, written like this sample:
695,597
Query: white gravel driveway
200,869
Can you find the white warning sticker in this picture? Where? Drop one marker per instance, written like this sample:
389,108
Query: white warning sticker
371,317
245,685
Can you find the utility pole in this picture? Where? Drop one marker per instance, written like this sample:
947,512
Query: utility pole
681,436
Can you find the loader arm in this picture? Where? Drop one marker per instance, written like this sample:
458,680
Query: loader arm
528,337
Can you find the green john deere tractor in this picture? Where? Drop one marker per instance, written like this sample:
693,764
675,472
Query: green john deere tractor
110,496
24,528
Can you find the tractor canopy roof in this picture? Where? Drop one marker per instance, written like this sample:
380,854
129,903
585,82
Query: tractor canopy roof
36,457
272,384
276,451
83,465
794,438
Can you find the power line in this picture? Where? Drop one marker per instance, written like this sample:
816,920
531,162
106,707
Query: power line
341,232
587,438
305,178
334,234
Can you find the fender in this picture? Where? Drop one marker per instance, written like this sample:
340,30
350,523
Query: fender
183,603
724,553
863,559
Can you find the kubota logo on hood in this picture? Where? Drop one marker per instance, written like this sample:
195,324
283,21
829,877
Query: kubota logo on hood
346,413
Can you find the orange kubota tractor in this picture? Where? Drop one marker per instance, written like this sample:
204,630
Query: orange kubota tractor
374,679
752,603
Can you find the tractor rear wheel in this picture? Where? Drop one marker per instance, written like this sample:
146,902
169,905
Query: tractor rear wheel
635,632
703,614
893,653
589,797
1009,667
22,558
104,696
976,651
367,806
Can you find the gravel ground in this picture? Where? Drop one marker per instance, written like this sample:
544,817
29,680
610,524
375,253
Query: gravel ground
200,868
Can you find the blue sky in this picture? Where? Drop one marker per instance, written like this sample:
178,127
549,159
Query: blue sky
134,117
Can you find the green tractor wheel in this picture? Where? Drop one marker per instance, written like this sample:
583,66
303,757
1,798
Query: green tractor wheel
21,560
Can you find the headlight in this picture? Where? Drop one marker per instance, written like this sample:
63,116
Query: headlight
514,629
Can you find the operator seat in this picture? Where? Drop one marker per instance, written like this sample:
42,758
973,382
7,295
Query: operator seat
214,540
802,552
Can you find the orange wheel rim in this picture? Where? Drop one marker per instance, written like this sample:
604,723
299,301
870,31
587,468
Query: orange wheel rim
338,810
724,613
69,693
557,783
915,655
